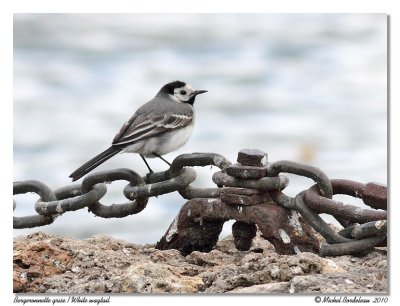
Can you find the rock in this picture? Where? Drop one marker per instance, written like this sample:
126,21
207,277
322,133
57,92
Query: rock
46,263
37,260
158,278
213,258
329,266
281,287
341,282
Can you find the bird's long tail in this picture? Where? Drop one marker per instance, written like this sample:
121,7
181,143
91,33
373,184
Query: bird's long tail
93,163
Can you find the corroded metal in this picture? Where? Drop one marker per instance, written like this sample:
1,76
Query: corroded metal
191,234
285,229
352,247
252,157
115,210
250,192
198,160
353,213
70,199
243,196
314,173
44,192
246,172
372,194
266,183
243,234
375,195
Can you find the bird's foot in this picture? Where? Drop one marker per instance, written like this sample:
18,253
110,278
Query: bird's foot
148,177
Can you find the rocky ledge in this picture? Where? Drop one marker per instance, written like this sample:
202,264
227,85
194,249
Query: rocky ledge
46,263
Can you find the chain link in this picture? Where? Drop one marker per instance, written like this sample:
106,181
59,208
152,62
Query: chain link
44,192
180,181
115,210
199,160
311,172
247,187
337,209
70,198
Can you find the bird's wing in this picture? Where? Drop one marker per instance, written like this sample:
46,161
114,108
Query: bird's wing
133,131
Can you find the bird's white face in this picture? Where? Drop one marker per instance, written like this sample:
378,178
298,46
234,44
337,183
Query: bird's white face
183,94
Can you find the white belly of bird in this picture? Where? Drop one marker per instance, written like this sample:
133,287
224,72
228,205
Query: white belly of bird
163,144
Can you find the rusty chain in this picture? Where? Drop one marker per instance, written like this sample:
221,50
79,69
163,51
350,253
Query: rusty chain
250,192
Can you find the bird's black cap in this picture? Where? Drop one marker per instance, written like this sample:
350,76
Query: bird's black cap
169,88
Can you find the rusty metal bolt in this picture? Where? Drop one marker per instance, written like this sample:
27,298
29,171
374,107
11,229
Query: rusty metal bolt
252,157
243,234
252,164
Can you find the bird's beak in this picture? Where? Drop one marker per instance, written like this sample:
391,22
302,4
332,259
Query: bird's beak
198,92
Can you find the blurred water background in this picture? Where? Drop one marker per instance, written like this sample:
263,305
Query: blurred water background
304,87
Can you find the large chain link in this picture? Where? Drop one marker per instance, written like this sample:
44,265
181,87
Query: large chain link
363,228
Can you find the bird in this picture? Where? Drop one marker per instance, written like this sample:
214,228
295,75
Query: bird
160,126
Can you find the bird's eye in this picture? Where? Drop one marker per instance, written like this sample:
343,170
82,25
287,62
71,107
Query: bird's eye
183,92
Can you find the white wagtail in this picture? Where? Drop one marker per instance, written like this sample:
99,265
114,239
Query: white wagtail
162,125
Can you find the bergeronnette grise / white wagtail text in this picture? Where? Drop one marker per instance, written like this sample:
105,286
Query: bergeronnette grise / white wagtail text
160,126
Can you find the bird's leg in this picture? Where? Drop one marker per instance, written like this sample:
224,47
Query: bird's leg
145,161
150,171
159,156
